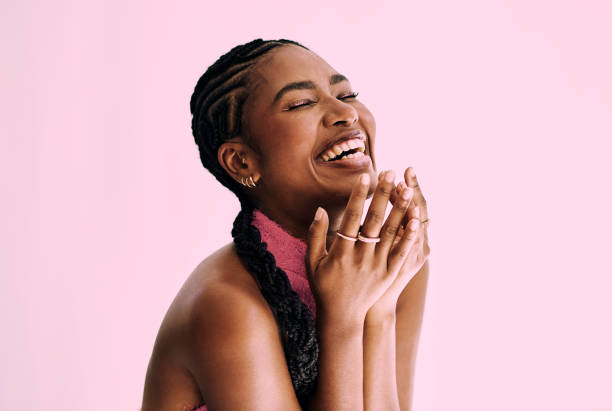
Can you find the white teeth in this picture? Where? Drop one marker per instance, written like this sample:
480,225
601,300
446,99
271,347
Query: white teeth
352,144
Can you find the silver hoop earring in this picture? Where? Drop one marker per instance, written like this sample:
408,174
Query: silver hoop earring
251,182
248,182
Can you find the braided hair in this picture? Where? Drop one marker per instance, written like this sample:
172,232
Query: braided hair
216,105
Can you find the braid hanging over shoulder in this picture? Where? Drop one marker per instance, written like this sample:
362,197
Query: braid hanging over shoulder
216,106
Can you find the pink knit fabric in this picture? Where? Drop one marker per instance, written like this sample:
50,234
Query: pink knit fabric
289,253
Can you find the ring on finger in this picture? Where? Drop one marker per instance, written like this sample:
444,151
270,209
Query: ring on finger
368,239
346,237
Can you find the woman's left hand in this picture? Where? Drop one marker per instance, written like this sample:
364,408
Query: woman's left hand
385,306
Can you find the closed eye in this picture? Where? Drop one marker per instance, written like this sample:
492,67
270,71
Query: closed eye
307,102
300,103
349,96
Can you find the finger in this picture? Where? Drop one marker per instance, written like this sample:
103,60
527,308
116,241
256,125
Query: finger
376,213
414,211
419,199
410,177
393,225
401,186
400,252
352,215
316,239
396,193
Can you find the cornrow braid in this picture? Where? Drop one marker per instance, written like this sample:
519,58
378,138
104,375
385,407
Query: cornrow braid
216,106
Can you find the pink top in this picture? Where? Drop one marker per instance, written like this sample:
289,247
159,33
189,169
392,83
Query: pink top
289,253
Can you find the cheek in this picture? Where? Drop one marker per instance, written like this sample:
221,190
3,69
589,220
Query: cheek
288,152
289,140
366,118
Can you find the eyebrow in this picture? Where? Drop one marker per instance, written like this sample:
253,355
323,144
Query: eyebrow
307,85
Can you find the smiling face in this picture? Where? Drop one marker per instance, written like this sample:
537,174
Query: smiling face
312,135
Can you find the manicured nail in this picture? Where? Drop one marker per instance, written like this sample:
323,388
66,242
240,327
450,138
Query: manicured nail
318,214
413,224
389,176
364,179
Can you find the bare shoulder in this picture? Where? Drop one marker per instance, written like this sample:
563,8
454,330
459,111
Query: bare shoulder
220,298
218,336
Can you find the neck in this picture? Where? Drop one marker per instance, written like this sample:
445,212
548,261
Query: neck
298,227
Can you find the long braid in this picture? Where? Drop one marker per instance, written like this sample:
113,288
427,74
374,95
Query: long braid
216,106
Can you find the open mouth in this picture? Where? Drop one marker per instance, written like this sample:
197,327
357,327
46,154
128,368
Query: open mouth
347,149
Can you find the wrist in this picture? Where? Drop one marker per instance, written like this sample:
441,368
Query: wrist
381,315
339,326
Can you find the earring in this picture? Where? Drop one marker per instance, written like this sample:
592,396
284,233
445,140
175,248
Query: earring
248,182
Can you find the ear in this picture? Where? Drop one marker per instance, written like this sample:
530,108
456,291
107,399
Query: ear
239,160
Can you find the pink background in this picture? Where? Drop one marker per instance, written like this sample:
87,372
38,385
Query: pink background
504,108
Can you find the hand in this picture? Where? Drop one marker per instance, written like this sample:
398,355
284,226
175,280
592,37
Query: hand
418,253
353,275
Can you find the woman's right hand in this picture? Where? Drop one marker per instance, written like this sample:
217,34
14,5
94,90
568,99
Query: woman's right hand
351,276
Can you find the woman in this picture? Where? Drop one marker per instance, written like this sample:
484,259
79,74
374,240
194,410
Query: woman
286,133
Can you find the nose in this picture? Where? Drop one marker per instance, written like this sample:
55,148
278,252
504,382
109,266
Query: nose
340,113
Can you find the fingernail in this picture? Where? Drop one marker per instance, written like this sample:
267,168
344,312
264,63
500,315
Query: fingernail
318,214
389,176
411,172
364,179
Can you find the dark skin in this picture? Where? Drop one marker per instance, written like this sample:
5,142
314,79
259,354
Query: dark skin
219,342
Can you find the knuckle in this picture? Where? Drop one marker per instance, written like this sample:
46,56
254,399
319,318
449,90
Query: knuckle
341,261
386,189
361,193
353,214
403,205
375,217
389,230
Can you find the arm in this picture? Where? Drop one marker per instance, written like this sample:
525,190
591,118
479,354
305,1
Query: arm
237,358
410,307
390,349
340,366
235,354
380,386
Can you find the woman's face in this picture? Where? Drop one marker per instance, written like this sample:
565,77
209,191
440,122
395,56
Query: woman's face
313,137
